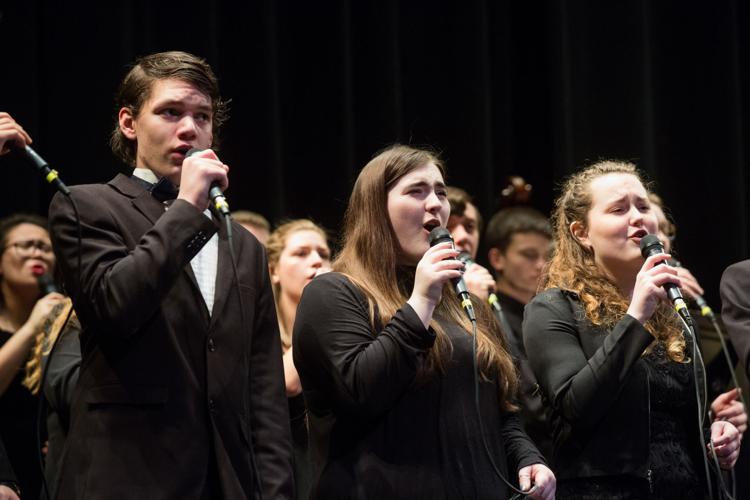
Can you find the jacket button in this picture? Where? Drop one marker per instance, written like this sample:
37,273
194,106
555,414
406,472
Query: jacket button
211,405
211,344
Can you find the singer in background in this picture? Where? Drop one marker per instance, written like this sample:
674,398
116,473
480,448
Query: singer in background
297,252
667,233
11,131
724,405
255,223
384,353
180,391
519,240
465,226
609,352
26,255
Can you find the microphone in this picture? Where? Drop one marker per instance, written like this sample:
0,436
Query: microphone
441,235
50,175
651,245
214,193
46,284
465,257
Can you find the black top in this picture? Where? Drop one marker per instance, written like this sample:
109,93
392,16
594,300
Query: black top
375,430
59,384
18,409
532,412
621,419
7,476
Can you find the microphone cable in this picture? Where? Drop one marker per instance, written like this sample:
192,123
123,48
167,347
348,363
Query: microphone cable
53,178
707,312
518,494
699,368
233,257
41,400
441,235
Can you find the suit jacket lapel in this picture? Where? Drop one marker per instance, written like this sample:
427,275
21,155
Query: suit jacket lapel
142,200
152,209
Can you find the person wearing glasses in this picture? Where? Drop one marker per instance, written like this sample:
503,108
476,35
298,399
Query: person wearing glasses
26,255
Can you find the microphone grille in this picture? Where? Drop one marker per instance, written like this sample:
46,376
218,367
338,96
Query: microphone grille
440,235
651,244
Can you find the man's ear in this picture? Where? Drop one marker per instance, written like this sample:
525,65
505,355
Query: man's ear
497,259
580,232
127,123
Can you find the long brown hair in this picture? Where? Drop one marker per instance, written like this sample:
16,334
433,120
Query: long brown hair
369,257
573,267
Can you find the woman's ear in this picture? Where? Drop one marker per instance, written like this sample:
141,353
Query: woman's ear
581,233
272,273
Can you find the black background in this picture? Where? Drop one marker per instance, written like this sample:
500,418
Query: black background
500,87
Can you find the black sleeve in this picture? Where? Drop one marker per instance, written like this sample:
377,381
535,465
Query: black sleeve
580,389
119,287
735,311
337,352
519,448
62,372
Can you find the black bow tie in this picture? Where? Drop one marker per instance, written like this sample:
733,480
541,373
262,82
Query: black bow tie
164,190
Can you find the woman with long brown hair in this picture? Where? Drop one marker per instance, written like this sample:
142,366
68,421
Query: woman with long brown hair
610,354
384,352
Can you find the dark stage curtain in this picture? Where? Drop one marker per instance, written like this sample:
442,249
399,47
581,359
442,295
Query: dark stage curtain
500,87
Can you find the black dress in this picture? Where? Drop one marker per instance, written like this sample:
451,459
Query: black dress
376,431
625,423
18,409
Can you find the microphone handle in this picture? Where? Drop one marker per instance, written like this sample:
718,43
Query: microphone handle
218,199
50,175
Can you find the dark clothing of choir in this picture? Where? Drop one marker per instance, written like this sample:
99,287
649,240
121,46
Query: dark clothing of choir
735,312
300,448
18,408
735,299
533,414
172,401
59,384
7,476
624,424
377,430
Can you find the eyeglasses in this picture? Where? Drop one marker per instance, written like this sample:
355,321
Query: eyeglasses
26,248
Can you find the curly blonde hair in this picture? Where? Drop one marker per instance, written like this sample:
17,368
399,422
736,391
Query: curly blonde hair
573,267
